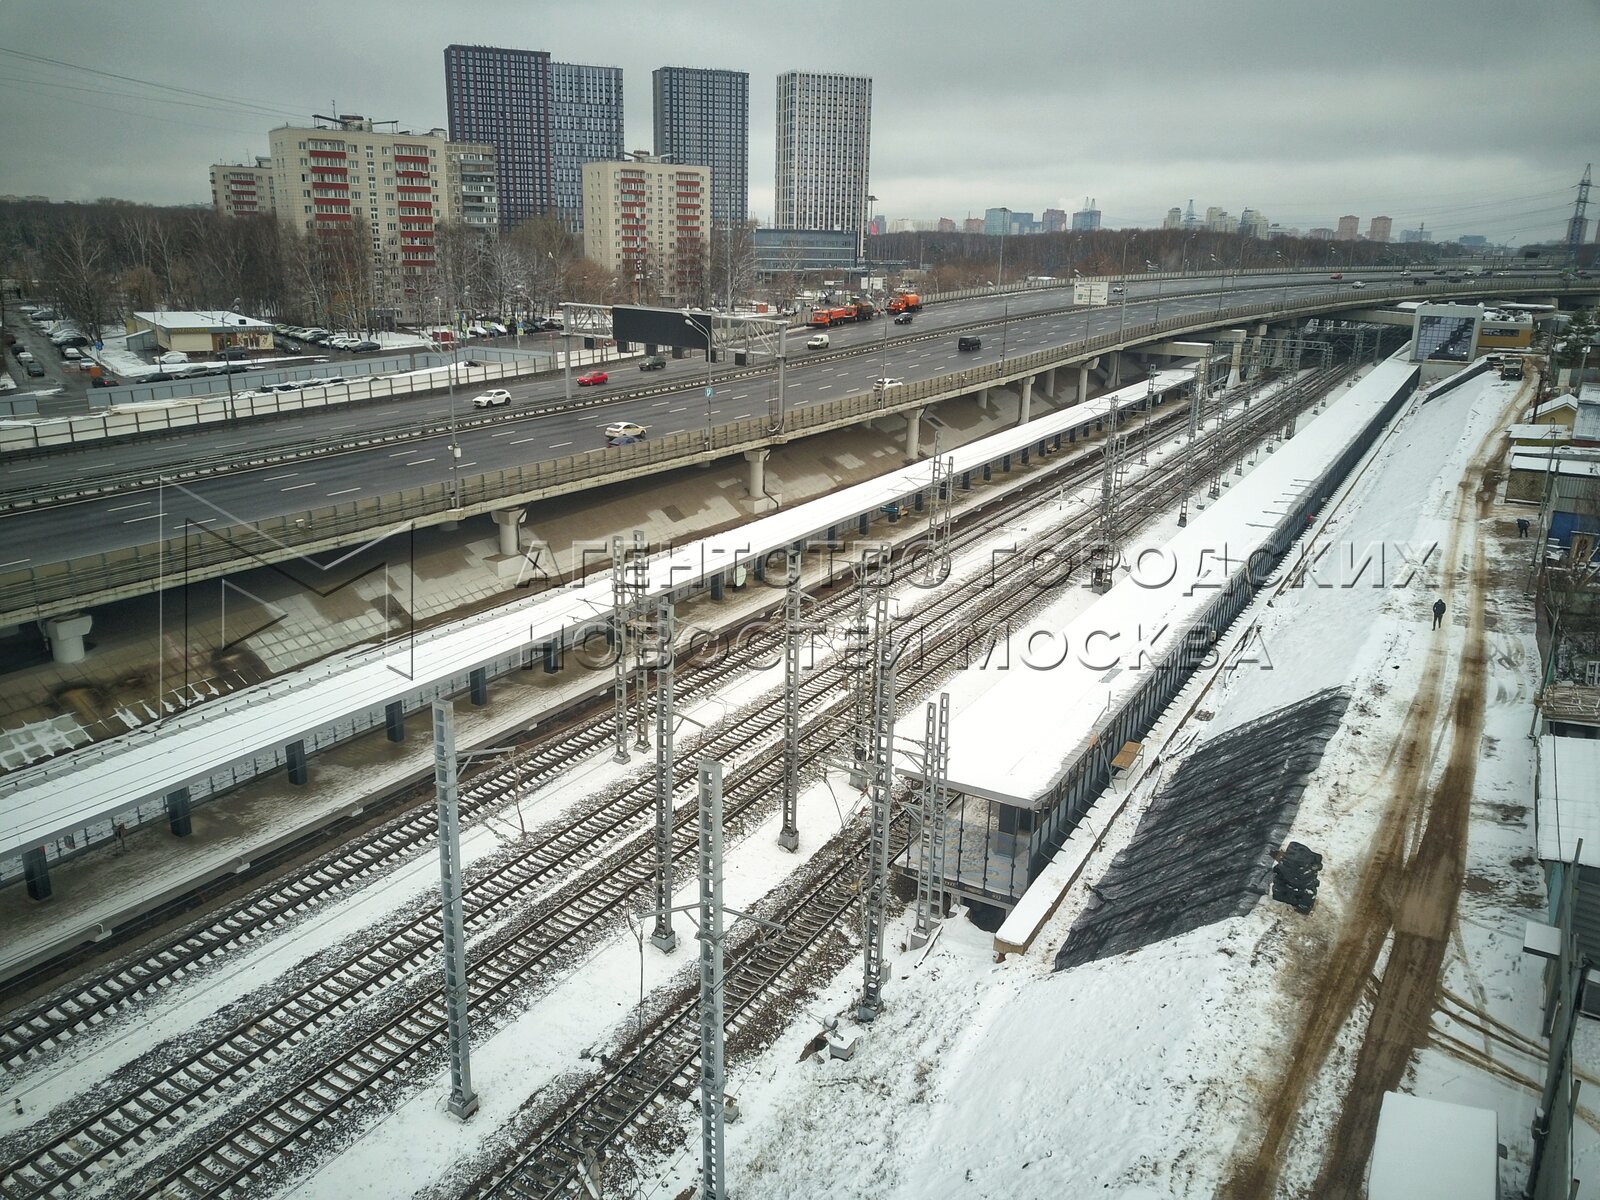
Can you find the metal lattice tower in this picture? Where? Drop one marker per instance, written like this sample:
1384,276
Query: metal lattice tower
931,833
1579,221
1114,468
1197,396
858,656
463,1100
880,775
1144,429
663,937
793,635
621,612
712,1077
937,563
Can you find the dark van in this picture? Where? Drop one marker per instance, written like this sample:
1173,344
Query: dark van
969,343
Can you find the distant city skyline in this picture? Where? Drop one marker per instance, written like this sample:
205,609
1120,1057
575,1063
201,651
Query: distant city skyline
1300,118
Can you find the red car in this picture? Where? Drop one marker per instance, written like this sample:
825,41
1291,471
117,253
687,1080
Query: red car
1337,275
592,377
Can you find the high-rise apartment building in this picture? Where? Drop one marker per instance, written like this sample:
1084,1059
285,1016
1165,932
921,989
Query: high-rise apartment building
1087,218
390,186
1347,230
1054,220
824,151
1174,219
649,222
702,118
1378,229
996,221
972,225
1252,224
240,190
586,126
544,119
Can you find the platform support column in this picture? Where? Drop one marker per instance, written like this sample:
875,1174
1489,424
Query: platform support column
294,755
394,721
478,686
758,472
552,657
179,812
36,871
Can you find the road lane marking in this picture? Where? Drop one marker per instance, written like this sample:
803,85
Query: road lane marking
275,478
680,408
419,462
140,504
295,487
344,491
15,562
558,445
149,517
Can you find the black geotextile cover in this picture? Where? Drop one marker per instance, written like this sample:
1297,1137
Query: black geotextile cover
1204,849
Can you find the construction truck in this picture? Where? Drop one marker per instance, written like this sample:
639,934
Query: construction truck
905,302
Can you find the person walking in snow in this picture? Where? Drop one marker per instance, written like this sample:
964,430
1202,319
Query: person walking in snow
1438,612
1522,526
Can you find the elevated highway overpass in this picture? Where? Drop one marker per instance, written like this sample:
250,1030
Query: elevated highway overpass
189,526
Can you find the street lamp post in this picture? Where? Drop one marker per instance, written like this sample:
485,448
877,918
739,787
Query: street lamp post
1000,282
707,333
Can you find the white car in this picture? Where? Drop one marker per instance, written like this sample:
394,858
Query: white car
1358,284
884,384
817,341
494,399
173,356
630,430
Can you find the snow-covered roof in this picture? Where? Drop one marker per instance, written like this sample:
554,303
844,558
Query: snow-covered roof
1429,1150
1568,805
1014,729
1586,427
1539,433
1572,466
202,320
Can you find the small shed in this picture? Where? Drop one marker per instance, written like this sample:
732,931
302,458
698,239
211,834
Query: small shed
201,332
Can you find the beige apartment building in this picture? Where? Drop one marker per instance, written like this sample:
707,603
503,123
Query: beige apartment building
649,221
388,185
242,190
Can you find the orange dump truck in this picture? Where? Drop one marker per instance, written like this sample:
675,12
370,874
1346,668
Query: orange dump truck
905,302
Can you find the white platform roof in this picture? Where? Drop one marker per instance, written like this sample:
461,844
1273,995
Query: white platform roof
222,320
1568,807
73,790
1014,732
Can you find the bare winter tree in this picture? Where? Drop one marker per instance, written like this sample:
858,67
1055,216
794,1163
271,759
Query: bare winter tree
77,266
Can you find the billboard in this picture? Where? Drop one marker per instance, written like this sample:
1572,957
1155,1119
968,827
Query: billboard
1085,291
661,326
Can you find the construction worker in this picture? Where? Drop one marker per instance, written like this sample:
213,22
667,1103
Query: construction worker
1522,527
1438,612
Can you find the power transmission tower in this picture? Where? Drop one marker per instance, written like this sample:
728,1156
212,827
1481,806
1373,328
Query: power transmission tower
1113,469
463,1100
793,634
858,659
880,777
663,937
931,834
1580,220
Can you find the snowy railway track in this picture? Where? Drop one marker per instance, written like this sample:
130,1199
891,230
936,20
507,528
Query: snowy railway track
667,1062
124,1127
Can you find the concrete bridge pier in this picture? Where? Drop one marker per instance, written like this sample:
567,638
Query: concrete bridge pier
1083,380
1025,409
66,634
914,432
1236,337
758,472
508,519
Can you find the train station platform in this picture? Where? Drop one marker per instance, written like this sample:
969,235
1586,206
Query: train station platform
218,746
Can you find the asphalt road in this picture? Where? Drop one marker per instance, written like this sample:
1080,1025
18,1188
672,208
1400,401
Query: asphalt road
53,534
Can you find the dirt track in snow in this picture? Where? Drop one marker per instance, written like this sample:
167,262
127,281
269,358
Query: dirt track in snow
1413,896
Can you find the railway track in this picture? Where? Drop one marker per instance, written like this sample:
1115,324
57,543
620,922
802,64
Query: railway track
235,1163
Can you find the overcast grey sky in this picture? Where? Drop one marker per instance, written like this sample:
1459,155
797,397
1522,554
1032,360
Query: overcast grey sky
1474,116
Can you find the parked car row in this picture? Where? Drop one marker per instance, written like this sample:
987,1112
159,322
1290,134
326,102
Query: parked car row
321,336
